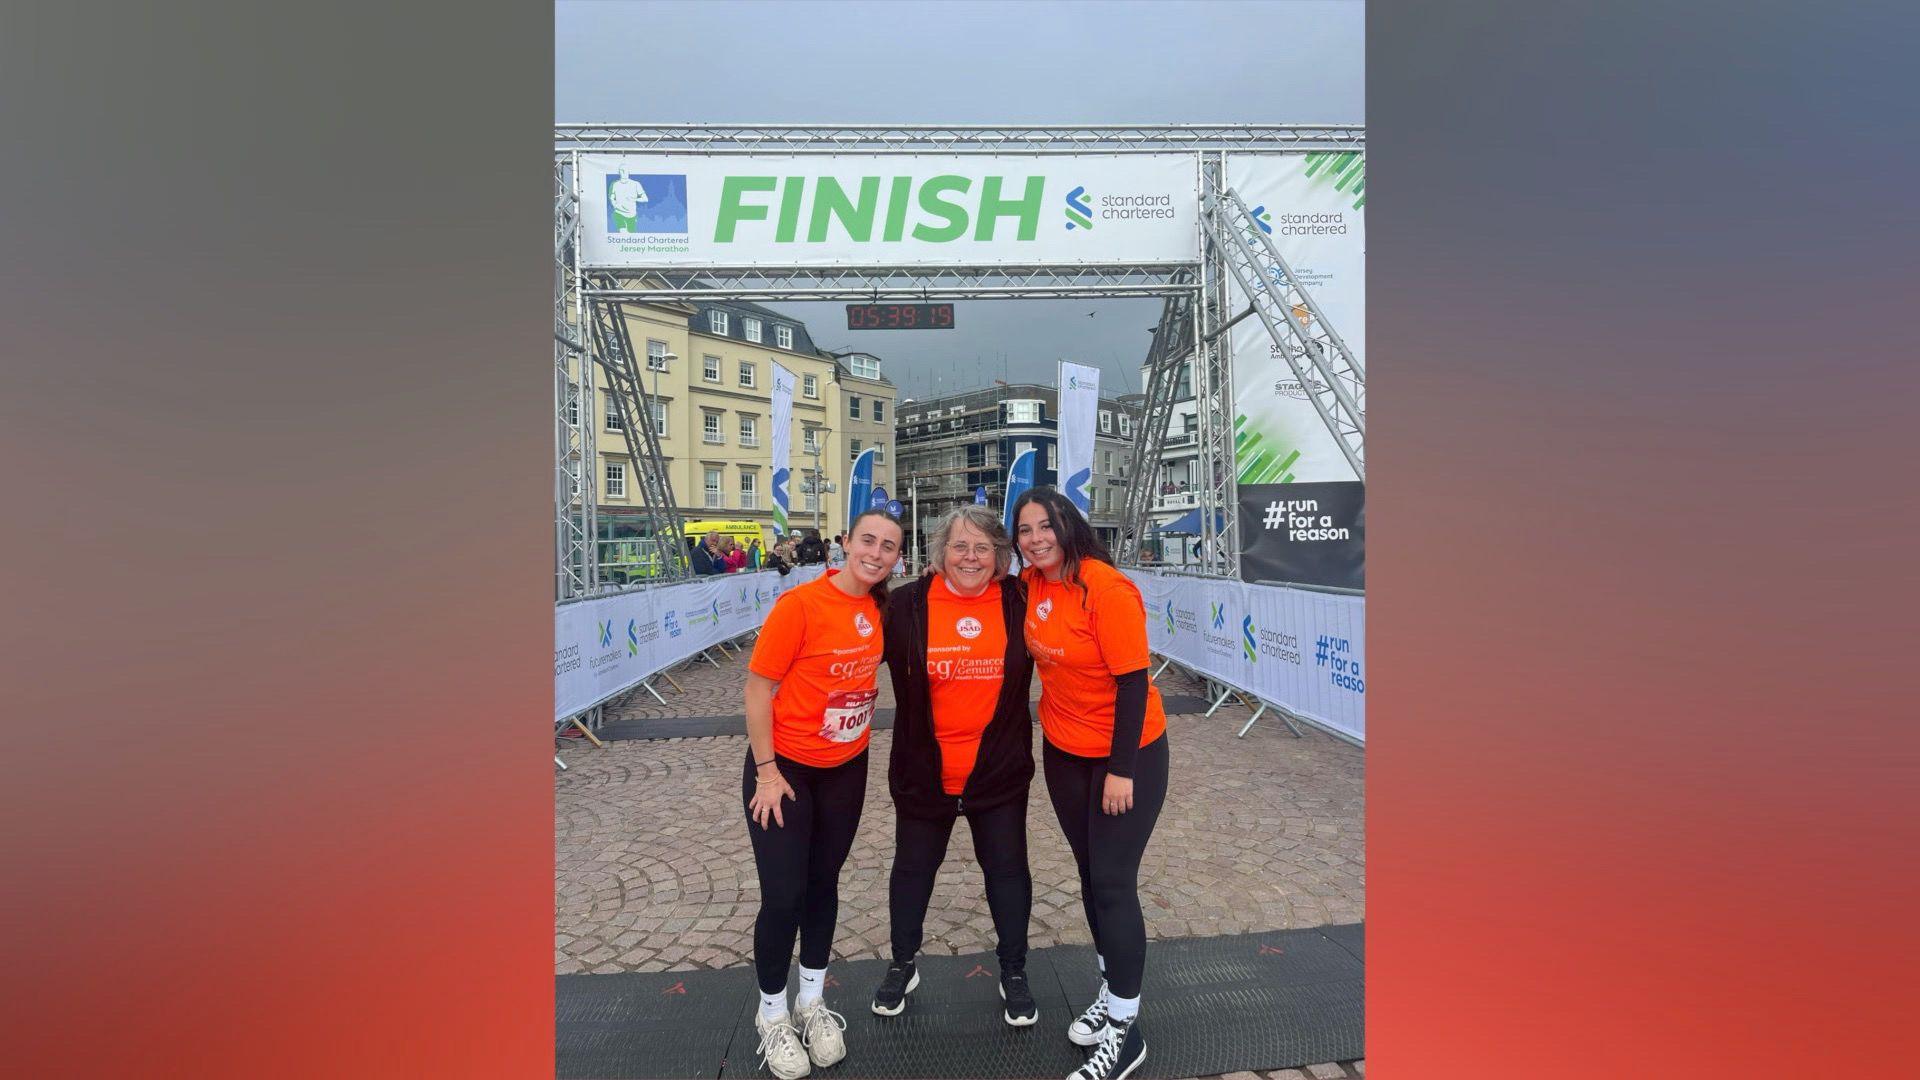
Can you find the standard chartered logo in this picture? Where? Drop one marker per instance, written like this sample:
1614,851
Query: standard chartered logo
1246,639
1079,209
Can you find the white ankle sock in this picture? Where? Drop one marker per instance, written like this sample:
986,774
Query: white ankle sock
812,982
773,1006
1122,1009
1103,964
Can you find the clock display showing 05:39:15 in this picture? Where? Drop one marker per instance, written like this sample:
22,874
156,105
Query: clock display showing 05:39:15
899,316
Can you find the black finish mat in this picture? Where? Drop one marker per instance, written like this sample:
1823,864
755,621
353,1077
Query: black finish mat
1250,1002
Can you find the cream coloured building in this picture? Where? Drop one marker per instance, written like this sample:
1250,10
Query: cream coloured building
709,367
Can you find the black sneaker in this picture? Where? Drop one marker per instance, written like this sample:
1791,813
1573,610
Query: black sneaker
1021,1011
1121,1050
891,998
1088,1026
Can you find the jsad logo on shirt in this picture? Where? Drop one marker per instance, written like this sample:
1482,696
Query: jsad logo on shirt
968,628
861,624
1044,608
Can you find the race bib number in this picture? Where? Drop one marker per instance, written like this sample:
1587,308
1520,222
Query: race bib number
848,714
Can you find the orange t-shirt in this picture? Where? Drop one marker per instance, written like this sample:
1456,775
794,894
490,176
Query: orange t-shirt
966,661
822,646
1078,650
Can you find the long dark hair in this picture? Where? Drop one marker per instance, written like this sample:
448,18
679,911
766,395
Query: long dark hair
878,592
1070,530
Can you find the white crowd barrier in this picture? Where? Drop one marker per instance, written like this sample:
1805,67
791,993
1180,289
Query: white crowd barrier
1303,651
607,645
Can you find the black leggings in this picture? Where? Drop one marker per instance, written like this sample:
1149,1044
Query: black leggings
1107,848
799,863
999,842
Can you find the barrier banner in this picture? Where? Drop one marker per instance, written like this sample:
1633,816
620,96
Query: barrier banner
1079,390
605,646
782,446
1302,509
657,210
1303,651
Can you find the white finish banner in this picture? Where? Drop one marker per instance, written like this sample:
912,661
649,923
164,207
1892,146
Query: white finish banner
650,210
605,646
1303,651
1079,390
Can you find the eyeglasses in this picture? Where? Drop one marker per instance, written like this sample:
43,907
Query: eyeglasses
978,551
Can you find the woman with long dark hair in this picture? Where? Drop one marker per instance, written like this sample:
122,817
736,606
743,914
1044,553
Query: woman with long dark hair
809,702
962,745
1105,753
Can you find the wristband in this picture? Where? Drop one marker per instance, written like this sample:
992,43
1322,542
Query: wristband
763,764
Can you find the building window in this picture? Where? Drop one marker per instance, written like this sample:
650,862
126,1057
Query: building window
809,385
616,480
879,411
1106,462
749,490
1050,463
749,431
573,477
573,409
717,322
809,439
714,498
656,355
1126,426
1184,388
659,410
879,453
853,406
1106,422
811,500
853,453
750,327
865,366
610,414
710,428
710,368
1023,412
746,373
783,335
954,424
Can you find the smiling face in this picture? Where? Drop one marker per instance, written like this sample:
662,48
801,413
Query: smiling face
873,549
969,561
1038,545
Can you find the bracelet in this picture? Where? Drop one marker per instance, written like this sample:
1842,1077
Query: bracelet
763,764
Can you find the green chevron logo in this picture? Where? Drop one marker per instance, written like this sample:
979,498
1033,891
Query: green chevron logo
1346,170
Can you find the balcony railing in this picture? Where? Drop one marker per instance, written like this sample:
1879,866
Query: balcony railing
1179,500
750,441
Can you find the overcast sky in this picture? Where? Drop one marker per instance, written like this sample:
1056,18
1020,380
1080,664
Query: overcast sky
805,61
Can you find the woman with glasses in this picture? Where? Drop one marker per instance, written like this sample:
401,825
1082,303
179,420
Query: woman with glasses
962,745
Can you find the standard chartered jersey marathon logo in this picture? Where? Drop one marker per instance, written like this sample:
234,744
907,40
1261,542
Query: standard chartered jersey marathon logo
968,627
1171,628
1079,209
861,624
1262,219
646,202
1246,639
633,638
1044,608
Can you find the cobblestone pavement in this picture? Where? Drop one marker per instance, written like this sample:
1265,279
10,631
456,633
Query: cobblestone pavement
653,871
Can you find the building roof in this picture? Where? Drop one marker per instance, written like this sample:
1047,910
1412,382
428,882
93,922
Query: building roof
735,309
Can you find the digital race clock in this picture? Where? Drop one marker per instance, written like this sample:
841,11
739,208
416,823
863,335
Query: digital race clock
899,316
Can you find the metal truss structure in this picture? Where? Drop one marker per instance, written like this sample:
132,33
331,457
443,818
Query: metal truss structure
1333,378
633,411
1192,326
955,138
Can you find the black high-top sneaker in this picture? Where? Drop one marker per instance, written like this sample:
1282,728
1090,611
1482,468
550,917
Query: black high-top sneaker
1021,1011
1120,1051
891,998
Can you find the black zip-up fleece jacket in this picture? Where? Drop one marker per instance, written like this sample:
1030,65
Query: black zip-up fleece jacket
1004,767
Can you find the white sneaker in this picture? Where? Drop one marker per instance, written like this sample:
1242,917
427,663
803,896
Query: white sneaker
820,1029
1090,1025
780,1048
